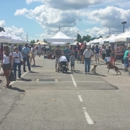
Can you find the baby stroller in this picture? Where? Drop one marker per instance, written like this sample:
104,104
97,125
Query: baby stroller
62,67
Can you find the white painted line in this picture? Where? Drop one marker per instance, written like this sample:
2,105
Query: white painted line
80,98
12,82
74,82
24,74
16,80
89,120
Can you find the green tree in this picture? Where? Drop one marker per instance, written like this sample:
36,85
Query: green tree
79,38
2,29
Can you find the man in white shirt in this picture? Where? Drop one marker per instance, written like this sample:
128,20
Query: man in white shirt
87,56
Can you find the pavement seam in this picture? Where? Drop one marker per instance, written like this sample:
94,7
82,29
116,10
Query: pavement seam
18,98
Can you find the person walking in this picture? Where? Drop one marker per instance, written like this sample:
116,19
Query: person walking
7,64
108,54
39,50
88,53
32,55
72,62
25,52
58,53
17,56
126,56
96,51
67,52
103,52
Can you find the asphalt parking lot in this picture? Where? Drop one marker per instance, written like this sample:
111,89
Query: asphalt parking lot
47,100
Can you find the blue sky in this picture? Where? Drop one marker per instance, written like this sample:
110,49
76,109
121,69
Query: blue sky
41,18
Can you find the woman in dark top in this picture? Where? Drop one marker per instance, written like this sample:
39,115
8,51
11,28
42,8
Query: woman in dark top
108,54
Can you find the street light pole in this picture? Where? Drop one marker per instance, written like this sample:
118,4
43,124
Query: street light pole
124,22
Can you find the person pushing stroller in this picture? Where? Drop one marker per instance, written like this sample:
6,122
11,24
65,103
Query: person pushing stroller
63,64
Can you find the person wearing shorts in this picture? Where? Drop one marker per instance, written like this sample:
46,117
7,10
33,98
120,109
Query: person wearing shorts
108,54
32,56
97,54
58,54
7,64
72,62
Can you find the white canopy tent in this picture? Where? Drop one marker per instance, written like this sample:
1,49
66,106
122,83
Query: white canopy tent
4,37
10,38
124,37
58,43
60,37
75,43
41,42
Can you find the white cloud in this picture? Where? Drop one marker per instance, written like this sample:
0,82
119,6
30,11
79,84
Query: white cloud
13,30
96,32
67,4
110,17
2,23
49,17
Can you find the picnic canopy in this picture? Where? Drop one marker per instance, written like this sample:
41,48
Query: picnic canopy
41,42
60,37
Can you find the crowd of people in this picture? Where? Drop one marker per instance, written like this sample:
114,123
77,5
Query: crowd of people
13,58
84,53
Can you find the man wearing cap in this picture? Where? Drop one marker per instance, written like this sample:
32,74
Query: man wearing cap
58,53
87,58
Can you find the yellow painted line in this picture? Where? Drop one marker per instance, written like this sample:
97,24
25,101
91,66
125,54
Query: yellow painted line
56,80
37,80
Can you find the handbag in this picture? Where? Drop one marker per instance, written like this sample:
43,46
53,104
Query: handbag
21,62
12,77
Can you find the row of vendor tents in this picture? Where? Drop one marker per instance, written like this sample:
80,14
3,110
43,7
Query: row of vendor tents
8,38
61,39
122,38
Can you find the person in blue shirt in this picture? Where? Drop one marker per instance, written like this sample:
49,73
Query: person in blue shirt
67,52
25,52
97,55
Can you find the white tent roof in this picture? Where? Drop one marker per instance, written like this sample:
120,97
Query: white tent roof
60,37
75,43
58,43
41,42
124,37
4,37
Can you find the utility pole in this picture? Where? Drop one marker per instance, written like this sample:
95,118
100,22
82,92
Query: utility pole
27,37
123,23
109,32
59,27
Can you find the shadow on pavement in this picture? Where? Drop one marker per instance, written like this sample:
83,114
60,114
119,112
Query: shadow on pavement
33,72
17,89
36,66
0,81
97,74
23,79
78,72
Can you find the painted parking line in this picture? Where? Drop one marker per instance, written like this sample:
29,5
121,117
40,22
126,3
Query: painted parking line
80,98
88,118
74,82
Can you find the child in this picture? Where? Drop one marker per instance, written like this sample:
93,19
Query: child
72,62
